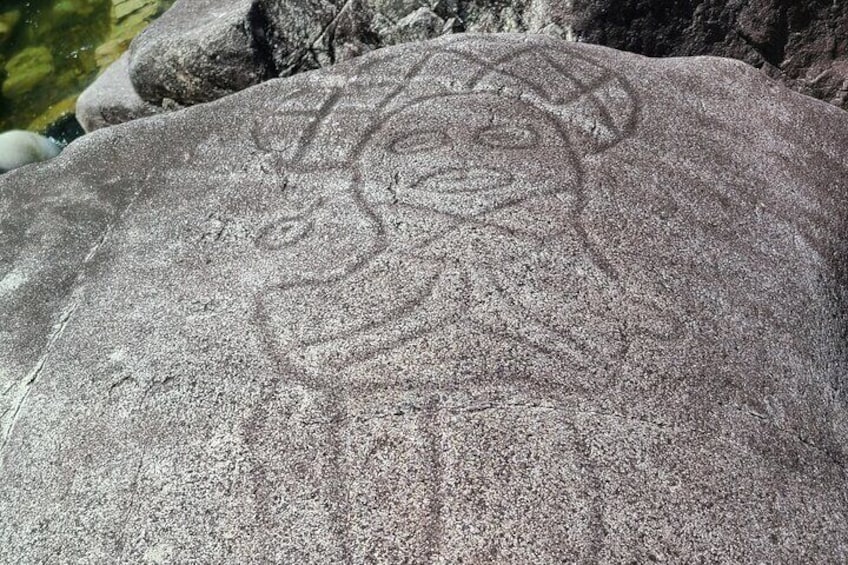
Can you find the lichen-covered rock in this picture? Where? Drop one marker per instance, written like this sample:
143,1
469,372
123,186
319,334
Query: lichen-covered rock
8,21
66,13
127,19
484,299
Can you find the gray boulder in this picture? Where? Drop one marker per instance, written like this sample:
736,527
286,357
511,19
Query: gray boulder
482,299
112,99
199,50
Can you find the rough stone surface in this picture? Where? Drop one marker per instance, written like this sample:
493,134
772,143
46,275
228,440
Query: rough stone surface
307,35
204,49
485,299
804,44
112,99
199,50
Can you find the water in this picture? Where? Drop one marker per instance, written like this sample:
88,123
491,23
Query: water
50,50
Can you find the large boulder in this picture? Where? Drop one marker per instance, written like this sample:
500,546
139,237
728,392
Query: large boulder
199,50
112,99
484,299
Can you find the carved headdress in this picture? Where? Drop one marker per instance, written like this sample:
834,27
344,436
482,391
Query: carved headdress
321,125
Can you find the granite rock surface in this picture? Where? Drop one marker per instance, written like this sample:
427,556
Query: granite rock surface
198,50
112,99
484,299
204,49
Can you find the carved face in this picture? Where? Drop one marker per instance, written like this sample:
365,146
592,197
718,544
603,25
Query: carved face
466,155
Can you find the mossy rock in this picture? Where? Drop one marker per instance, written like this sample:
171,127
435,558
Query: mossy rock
8,21
54,113
26,70
108,52
129,18
67,79
70,12
146,9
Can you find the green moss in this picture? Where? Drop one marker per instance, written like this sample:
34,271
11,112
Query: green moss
8,22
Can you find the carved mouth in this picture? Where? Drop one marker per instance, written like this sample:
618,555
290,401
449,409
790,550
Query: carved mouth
458,181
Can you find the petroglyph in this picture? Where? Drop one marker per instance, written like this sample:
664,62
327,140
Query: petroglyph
459,210
457,179
484,299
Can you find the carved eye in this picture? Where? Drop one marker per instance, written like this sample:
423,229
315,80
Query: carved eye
418,142
289,230
508,137
284,233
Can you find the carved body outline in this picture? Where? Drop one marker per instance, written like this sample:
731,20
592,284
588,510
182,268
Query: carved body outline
293,374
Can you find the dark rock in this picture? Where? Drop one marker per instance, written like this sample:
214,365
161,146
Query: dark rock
64,130
804,44
484,299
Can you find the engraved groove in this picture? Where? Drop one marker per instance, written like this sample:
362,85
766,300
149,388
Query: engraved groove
326,358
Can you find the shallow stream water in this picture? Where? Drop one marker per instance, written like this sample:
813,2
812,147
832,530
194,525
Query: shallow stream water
50,50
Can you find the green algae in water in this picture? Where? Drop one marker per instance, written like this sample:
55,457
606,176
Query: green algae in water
51,50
